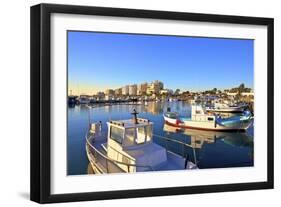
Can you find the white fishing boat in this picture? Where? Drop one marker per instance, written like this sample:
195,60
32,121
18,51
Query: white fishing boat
129,147
223,107
200,119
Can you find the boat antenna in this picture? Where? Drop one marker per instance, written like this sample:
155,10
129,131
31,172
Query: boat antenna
135,118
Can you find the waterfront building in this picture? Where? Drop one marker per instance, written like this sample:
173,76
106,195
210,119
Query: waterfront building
109,97
166,92
133,90
125,90
109,92
155,87
232,93
100,95
251,93
118,91
142,89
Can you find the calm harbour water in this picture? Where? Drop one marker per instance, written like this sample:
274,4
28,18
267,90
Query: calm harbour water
209,149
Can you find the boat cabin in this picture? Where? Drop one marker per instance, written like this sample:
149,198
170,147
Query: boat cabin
129,147
128,134
198,114
130,142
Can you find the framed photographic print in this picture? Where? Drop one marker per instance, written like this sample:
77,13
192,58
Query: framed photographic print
132,103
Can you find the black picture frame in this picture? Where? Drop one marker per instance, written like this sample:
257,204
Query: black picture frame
41,99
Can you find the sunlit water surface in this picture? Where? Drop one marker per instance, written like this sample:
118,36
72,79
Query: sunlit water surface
209,149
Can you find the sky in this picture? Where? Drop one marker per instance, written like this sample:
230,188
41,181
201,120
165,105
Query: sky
98,61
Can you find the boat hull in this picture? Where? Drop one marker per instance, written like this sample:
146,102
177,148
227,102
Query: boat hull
238,109
204,125
228,110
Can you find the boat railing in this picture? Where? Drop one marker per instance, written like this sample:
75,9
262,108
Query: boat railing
105,164
172,140
183,146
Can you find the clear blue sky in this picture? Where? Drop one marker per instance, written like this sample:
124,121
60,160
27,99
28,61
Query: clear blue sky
97,61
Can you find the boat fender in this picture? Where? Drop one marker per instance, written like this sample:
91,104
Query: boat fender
178,122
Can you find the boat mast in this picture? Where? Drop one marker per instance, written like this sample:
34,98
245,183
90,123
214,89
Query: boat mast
135,118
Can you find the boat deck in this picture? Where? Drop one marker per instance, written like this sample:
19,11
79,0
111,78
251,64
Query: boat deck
174,162
100,162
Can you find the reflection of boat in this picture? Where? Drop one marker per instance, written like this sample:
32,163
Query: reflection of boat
129,147
199,137
201,120
222,107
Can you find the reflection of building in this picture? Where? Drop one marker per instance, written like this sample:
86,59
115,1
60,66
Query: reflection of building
133,90
154,108
125,90
142,89
155,87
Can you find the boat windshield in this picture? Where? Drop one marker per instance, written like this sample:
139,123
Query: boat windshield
148,133
139,135
172,115
116,134
140,138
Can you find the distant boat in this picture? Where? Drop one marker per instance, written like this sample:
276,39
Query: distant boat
202,120
84,99
129,147
72,100
222,107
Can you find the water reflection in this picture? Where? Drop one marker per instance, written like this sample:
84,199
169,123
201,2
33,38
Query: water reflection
199,137
214,148
210,149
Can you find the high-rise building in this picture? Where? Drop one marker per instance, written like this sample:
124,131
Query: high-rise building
155,87
109,92
142,89
100,95
118,91
125,90
133,90
166,92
